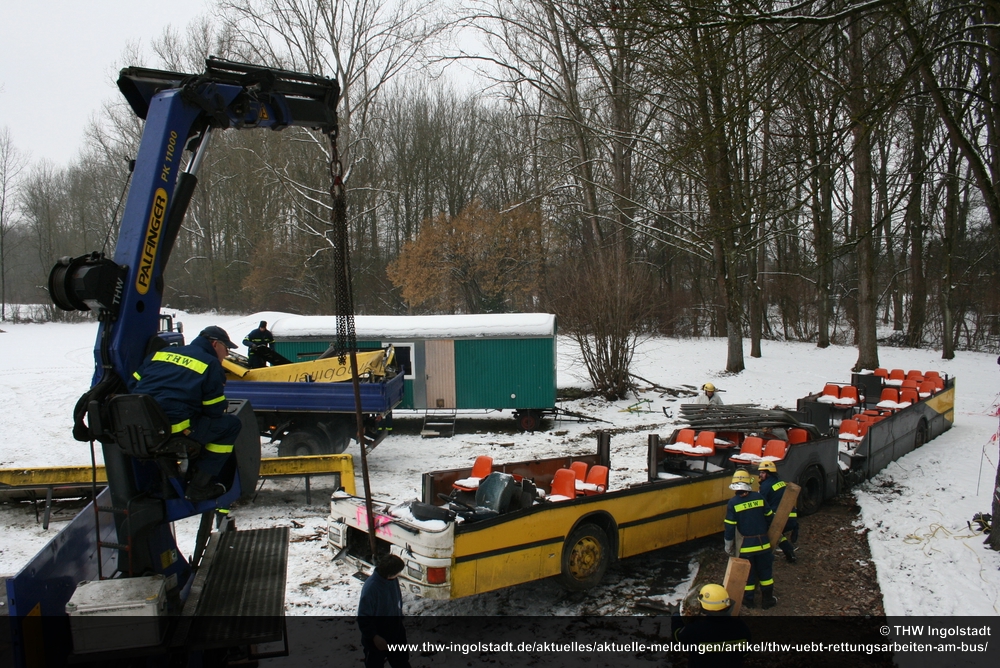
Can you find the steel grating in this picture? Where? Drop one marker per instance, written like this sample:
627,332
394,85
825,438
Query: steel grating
243,598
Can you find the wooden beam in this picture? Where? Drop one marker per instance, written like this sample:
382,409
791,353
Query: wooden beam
735,582
780,518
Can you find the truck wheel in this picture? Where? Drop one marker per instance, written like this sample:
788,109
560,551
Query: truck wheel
813,490
921,436
585,558
528,420
300,443
340,434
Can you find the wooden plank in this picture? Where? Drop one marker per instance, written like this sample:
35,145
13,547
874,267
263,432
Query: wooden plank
780,518
735,582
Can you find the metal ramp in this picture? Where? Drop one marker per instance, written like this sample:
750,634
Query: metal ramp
439,423
238,594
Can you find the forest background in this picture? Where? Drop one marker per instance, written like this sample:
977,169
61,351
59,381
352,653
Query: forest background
815,171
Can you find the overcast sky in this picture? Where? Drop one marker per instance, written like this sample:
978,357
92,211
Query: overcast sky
58,63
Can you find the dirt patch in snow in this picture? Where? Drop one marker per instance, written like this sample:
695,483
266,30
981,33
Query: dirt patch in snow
834,574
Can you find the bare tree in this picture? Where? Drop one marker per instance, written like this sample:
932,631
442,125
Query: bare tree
364,45
12,163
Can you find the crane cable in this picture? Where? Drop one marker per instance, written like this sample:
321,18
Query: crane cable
346,343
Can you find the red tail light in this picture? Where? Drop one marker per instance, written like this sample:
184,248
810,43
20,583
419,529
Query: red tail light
436,576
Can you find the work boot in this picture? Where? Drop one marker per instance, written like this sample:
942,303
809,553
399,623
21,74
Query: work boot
789,551
769,599
201,488
749,603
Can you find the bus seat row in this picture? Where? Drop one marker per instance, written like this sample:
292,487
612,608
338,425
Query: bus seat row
754,450
568,484
846,395
895,377
895,399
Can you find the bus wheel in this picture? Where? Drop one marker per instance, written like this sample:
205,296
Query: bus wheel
299,443
921,436
813,488
585,558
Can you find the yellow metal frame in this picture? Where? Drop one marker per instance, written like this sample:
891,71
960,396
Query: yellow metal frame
66,476
328,370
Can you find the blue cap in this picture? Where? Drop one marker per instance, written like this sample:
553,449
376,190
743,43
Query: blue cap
218,334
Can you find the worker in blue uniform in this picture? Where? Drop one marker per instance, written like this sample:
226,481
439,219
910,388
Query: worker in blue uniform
380,615
255,342
749,513
716,638
188,384
772,488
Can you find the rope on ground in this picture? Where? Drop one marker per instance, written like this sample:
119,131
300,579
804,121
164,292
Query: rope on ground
934,530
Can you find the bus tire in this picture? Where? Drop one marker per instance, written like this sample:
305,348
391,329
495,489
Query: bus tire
585,558
300,443
920,437
813,490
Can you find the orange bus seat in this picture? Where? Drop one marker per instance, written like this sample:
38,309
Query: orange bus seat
830,394
750,452
797,435
597,480
850,430
775,449
848,396
482,467
685,436
563,486
889,398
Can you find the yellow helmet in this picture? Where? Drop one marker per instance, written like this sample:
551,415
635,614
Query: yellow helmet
714,597
708,387
767,465
742,481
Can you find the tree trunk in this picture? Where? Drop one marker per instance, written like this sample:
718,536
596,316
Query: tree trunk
862,206
915,224
948,249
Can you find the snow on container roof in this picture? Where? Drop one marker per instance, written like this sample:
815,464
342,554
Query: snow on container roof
395,327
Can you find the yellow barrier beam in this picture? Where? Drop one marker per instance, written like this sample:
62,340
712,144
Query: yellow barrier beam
270,467
309,465
52,475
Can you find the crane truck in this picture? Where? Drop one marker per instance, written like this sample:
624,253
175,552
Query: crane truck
119,556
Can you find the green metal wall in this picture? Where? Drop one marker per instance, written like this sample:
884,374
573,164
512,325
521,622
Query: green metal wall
489,371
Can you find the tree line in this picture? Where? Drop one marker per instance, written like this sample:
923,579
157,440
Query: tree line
817,171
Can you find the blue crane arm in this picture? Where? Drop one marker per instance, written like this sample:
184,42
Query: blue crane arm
180,111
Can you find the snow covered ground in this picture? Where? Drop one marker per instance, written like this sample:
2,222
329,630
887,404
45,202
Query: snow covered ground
928,561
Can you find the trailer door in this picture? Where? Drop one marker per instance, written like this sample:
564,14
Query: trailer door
440,373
